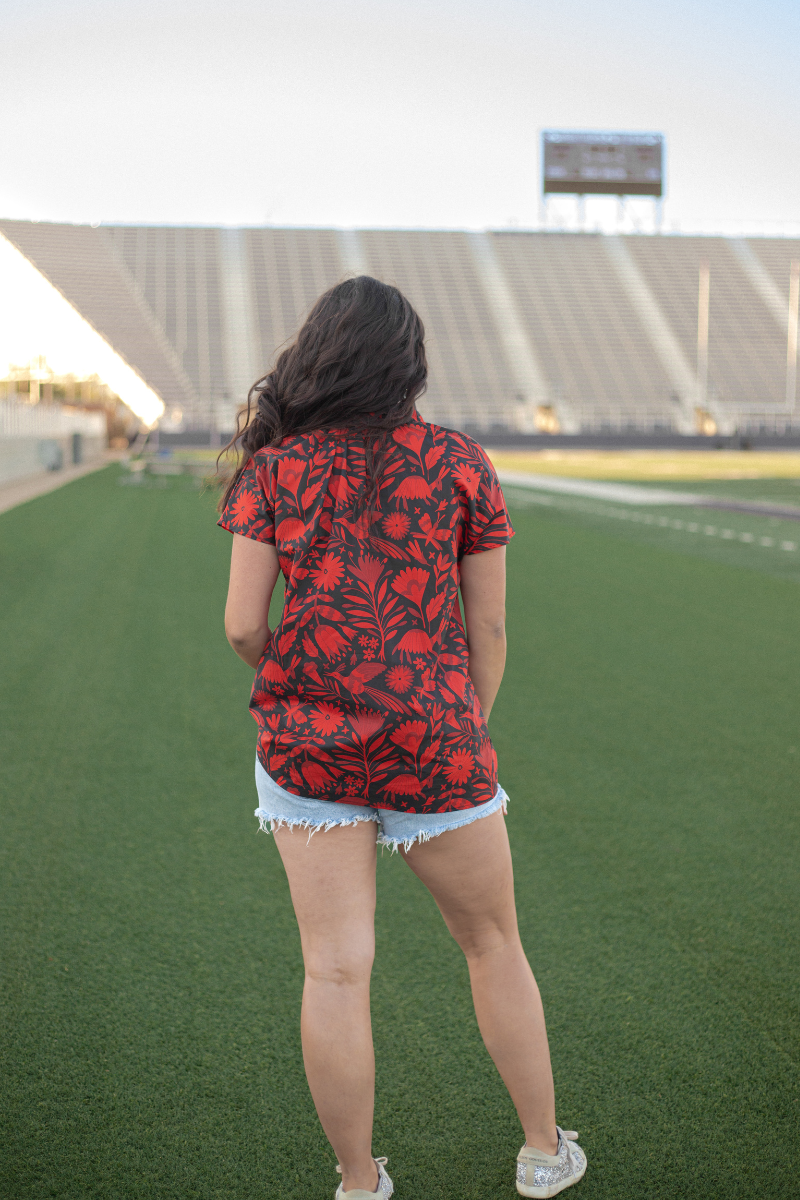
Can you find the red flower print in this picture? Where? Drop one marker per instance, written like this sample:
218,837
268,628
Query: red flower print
427,685
316,776
359,528
290,530
312,672
366,725
290,473
411,583
460,802
326,719
400,679
403,785
330,640
460,766
294,712
329,573
340,490
469,479
271,672
456,682
486,755
357,680
430,532
362,695
396,525
369,569
416,641
286,641
413,487
412,436
409,735
244,508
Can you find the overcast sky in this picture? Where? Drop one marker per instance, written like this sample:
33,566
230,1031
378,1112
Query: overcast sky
388,113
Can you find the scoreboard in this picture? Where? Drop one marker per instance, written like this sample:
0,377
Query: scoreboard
602,164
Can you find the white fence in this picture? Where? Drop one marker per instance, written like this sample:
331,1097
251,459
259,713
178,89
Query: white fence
47,421
47,437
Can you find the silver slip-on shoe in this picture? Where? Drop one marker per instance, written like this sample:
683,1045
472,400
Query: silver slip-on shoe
544,1175
385,1186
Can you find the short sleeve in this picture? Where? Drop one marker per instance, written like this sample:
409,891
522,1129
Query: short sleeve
250,509
489,524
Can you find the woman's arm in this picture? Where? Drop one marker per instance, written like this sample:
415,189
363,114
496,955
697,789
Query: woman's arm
254,573
483,590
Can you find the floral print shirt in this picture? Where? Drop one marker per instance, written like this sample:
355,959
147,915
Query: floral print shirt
362,695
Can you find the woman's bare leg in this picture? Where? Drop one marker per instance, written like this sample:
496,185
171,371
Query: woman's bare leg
468,873
332,881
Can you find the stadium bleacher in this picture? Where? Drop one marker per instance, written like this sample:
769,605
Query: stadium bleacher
602,368
747,349
80,262
582,332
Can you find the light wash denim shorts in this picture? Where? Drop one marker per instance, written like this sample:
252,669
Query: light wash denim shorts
278,807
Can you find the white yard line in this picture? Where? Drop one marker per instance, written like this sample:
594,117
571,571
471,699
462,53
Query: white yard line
694,527
707,530
631,493
623,493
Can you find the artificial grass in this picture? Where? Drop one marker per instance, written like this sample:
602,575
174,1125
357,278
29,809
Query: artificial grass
764,490
648,736
771,545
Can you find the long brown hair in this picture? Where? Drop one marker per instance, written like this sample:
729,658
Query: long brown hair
357,364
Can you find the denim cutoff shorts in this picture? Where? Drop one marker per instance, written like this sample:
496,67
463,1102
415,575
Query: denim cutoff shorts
278,807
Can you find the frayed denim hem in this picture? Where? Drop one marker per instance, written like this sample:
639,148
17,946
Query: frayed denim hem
396,829
268,824
500,802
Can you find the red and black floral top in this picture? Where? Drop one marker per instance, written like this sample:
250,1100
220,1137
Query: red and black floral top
362,694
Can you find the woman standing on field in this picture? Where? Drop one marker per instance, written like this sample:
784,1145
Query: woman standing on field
371,700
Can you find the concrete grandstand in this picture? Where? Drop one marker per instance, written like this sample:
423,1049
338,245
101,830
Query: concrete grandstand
526,331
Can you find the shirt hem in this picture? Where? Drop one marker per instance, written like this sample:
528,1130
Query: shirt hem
244,533
421,812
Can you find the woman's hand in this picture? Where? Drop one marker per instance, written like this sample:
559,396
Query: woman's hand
254,573
483,590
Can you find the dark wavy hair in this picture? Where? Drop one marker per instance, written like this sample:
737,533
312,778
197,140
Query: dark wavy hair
357,365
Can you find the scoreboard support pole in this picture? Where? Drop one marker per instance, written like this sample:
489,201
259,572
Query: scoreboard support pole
544,211
659,213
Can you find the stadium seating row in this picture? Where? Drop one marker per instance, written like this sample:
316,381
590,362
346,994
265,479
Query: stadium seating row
525,330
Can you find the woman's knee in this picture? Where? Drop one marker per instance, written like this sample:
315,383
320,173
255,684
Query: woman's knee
480,937
344,965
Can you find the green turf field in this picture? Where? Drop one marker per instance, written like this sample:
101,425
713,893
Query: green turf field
648,736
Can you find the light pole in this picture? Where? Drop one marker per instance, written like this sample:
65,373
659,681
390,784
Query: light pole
703,295
791,336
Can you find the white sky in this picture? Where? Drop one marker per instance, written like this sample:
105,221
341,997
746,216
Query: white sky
388,112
